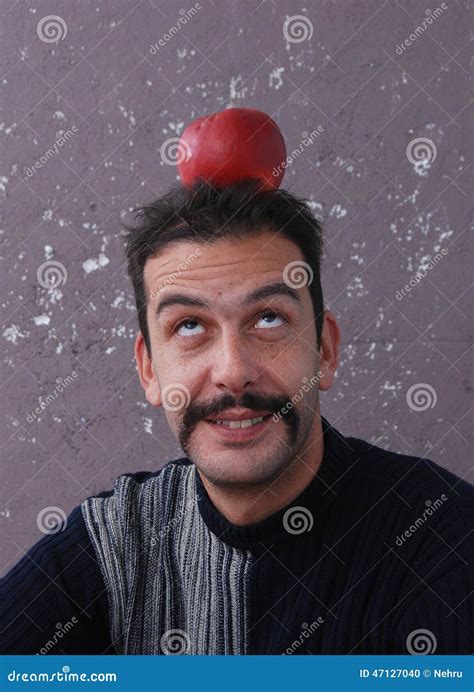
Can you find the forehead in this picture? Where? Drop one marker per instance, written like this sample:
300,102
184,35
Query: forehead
223,267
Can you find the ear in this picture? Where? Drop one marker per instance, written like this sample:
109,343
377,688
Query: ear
329,350
146,373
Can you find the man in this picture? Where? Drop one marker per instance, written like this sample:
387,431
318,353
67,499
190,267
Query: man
275,534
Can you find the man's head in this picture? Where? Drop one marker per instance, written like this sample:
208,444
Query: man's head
232,324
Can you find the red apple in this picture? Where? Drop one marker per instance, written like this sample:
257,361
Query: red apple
231,145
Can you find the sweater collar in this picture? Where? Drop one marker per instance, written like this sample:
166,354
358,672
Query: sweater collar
314,498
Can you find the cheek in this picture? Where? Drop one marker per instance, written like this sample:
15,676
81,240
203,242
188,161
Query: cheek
179,380
173,421
293,364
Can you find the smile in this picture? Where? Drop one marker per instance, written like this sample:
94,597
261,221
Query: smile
235,424
240,430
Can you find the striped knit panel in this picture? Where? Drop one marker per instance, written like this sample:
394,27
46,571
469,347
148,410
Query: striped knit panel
172,585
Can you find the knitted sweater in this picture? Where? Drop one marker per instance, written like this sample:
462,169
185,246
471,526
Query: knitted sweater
374,556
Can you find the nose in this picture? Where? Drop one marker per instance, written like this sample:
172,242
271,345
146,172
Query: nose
235,366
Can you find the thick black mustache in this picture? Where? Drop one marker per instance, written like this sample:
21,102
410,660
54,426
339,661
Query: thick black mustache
195,412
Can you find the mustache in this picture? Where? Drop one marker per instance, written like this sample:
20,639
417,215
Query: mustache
195,412
256,402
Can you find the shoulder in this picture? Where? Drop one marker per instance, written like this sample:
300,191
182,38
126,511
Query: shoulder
144,481
419,516
414,477
64,545
56,579
421,510
138,497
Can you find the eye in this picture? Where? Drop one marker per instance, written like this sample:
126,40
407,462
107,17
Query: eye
268,318
187,328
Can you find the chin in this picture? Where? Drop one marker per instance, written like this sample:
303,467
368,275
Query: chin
233,472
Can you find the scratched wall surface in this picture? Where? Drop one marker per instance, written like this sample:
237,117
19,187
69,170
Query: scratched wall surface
373,100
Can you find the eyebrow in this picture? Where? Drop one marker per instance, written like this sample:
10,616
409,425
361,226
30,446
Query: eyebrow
278,288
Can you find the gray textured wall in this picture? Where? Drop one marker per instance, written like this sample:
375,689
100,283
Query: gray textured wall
91,87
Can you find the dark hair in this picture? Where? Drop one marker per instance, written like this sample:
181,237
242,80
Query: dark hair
203,214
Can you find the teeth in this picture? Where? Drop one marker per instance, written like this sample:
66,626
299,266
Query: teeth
235,424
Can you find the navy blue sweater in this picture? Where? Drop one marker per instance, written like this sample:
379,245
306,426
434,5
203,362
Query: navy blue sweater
383,566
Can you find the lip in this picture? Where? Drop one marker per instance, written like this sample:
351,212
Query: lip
240,434
239,414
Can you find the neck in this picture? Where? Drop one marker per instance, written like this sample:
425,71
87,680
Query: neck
249,505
